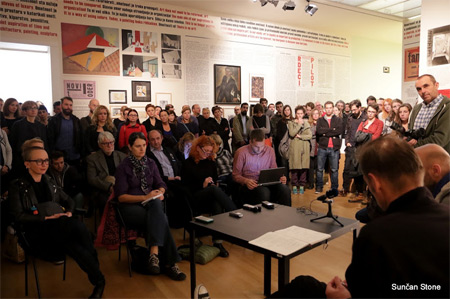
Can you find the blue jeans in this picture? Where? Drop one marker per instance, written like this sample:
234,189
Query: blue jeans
333,159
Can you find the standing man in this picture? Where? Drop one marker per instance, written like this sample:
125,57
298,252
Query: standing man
86,121
56,107
329,129
433,114
249,160
355,118
265,103
240,134
64,133
237,111
276,118
196,110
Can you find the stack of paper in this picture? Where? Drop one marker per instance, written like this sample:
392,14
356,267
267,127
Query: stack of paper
289,240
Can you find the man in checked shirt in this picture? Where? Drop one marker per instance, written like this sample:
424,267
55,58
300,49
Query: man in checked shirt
433,114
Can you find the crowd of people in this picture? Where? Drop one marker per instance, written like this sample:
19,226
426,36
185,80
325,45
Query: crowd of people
194,163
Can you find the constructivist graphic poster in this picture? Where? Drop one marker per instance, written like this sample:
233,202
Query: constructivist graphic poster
140,66
171,56
139,42
90,50
411,71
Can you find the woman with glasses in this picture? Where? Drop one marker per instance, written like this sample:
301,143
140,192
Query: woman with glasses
101,122
23,130
140,191
199,175
44,212
130,126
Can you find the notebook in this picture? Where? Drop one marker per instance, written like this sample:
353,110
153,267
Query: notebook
271,176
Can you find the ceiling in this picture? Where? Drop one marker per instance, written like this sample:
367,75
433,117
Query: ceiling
345,17
399,8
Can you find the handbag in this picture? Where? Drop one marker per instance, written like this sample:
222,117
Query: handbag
283,148
362,137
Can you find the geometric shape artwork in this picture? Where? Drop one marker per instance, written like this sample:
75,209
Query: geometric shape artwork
140,66
90,50
139,42
141,91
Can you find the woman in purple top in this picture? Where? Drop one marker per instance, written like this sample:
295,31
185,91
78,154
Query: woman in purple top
138,180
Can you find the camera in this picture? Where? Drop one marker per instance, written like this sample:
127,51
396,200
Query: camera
414,134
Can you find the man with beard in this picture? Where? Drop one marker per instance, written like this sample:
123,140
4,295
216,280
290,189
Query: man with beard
356,117
85,122
240,134
64,133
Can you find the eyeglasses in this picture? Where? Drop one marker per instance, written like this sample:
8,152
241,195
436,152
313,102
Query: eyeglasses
109,143
205,152
39,162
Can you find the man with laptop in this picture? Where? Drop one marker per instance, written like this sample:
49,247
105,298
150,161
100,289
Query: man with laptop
249,161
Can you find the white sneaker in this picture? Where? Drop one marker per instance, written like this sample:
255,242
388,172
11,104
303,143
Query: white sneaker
201,292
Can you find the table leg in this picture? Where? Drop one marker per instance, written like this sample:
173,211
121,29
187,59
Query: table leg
192,260
283,272
267,274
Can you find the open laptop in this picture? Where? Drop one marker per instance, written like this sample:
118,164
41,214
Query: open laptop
271,176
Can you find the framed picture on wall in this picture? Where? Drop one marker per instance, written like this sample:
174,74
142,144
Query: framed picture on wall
256,87
141,91
227,84
115,111
117,96
162,99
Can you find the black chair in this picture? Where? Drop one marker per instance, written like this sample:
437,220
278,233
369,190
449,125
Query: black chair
122,224
30,253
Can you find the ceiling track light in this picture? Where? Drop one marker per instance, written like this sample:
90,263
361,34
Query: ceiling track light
263,2
311,8
290,5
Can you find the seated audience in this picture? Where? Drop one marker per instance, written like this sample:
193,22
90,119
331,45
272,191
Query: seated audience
170,171
300,134
66,177
222,127
186,124
101,168
137,180
151,123
130,126
224,162
183,147
249,160
169,130
101,122
403,254
37,205
199,175
436,162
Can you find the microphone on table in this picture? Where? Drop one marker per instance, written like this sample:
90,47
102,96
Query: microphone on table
332,193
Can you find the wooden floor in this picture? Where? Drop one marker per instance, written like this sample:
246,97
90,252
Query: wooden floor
238,276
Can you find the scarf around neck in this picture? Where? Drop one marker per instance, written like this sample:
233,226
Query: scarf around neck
139,167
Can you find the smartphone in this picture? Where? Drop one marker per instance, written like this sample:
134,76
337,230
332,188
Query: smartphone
203,219
236,214
268,205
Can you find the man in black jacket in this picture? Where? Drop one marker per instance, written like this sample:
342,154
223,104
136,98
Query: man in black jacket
64,133
355,118
329,129
402,254
170,168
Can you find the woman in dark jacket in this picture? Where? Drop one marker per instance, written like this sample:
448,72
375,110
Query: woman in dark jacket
101,122
44,212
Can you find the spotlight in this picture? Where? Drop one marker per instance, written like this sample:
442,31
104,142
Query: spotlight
290,5
275,2
263,2
311,8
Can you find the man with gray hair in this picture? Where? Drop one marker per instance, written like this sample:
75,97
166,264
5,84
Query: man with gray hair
101,167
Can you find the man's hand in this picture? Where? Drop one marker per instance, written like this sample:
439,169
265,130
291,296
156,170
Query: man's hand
283,180
5,169
251,184
412,142
337,288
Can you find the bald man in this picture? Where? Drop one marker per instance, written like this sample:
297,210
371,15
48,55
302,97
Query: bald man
436,163
85,122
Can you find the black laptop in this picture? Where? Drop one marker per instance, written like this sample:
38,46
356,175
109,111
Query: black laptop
271,176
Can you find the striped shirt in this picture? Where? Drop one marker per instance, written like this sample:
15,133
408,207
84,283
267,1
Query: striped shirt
426,113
